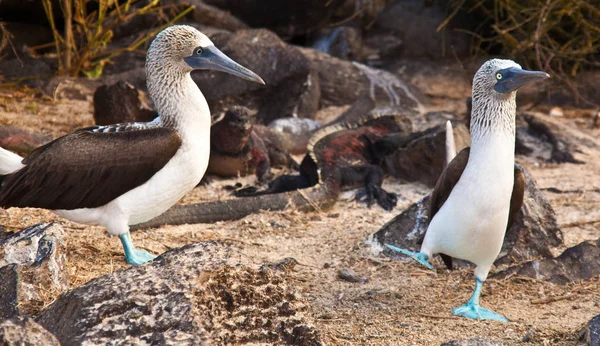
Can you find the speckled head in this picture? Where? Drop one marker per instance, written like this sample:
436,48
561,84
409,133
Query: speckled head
501,77
182,49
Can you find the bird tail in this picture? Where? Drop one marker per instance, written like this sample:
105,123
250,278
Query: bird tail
450,143
9,162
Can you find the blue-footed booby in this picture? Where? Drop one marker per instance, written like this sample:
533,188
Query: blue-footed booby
479,194
124,174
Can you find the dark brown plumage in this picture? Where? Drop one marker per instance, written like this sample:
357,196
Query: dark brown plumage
89,168
448,180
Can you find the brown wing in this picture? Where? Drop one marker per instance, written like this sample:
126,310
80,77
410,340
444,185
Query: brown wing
516,199
88,169
447,181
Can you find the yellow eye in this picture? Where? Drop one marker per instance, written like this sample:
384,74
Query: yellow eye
498,76
198,51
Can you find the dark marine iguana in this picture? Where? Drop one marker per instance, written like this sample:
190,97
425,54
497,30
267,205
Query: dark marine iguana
348,155
342,156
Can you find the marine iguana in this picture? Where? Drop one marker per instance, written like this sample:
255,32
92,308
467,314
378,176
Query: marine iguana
342,156
238,146
349,156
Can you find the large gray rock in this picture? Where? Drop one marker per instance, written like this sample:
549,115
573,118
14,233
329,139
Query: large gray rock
342,83
590,335
534,234
289,90
408,28
580,262
200,293
32,265
23,331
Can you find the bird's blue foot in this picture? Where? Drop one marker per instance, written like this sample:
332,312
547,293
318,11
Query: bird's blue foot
133,255
417,256
473,310
476,312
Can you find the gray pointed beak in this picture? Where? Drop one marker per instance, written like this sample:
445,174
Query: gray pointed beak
513,78
211,58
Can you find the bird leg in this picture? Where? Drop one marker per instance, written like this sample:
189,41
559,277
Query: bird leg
417,256
473,310
133,255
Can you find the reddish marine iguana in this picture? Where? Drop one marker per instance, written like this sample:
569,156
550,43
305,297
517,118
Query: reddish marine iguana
342,156
349,156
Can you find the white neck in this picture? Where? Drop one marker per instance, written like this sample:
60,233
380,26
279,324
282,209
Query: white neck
180,104
493,119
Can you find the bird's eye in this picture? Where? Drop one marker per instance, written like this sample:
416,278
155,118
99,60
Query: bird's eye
498,76
198,51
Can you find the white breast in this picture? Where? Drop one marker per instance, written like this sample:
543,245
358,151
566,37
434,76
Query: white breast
472,222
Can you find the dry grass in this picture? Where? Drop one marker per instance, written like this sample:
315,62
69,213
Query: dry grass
561,37
81,47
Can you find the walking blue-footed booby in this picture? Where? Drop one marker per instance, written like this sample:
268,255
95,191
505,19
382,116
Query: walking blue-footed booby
479,194
120,175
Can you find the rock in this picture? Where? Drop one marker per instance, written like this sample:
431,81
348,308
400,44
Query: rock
350,275
580,262
21,141
32,265
200,293
590,334
23,68
292,133
22,36
533,235
215,17
408,28
343,82
287,18
423,159
23,331
120,103
545,139
290,90
342,42
473,342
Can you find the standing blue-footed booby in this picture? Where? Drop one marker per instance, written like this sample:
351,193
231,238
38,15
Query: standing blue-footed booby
120,175
479,194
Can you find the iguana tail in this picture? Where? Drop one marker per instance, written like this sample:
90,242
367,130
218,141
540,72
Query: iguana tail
319,197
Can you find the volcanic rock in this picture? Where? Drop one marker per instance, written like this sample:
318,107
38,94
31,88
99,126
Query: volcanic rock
23,331
590,334
290,89
32,265
580,262
200,293
287,18
120,103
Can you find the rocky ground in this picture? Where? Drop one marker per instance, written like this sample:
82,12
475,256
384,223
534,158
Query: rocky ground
381,301
291,277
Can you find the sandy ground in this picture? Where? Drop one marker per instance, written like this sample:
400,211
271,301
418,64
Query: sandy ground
399,303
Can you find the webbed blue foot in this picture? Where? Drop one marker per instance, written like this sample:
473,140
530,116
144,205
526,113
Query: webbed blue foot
473,310
133,255
476,312
417,256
